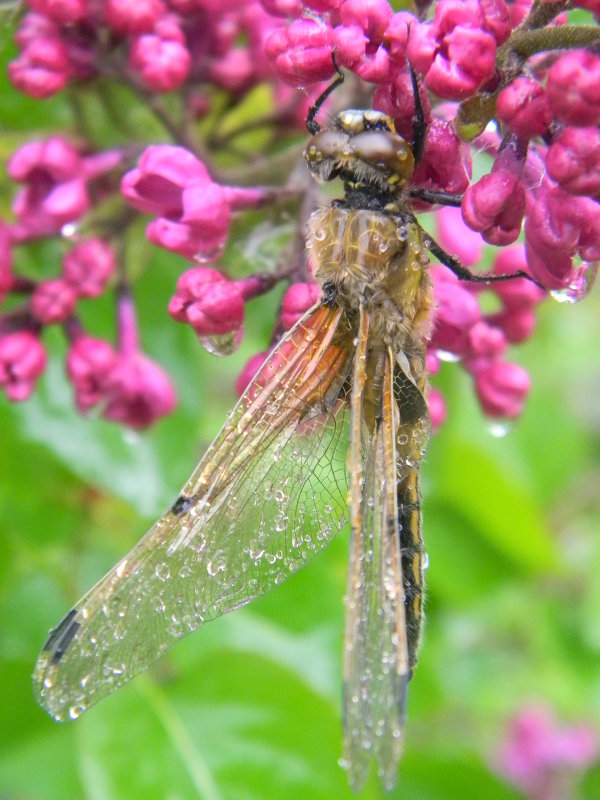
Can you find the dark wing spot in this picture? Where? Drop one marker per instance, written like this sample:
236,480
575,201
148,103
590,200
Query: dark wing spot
181,505
61,636
57,632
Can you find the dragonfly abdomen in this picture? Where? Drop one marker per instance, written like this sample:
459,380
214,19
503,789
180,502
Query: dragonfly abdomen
413,560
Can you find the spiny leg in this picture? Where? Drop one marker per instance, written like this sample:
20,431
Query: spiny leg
462,273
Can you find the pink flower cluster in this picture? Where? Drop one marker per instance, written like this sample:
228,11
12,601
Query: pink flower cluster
193,212
541,757
157,45
461,332
126,385
534,117
59,189
546,163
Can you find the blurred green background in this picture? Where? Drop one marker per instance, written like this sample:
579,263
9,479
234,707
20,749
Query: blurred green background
250,706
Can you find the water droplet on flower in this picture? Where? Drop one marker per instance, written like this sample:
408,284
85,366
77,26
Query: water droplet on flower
223,344
211,254
499,428
131,437
68,230
446,355
583,280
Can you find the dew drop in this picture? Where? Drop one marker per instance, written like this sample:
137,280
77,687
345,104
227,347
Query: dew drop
162,571
76,711
425,562
499,428
68,230
223,344
131,437
217,563
320,234
212,254
446,355
581,285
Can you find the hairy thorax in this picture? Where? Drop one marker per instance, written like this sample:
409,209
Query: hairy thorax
376,259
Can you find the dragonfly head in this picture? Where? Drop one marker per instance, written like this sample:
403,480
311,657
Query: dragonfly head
364,150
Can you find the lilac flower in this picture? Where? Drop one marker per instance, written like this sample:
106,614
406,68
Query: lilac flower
540,756
194,211
472,63
22,361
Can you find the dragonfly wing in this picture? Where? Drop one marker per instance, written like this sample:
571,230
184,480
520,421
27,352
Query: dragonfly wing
376,665
270,492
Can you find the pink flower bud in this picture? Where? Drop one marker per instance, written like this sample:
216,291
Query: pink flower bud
372,16
496,19
470,61
456,312
502,389
42,68
283,8
301,53
523,105
353,50
446,162
89,364
210,303
574,161
590,5
250,369
234,72
195,211
485,340
437,409
64,12
297,300
88,266
518,293
396,35
454,51
155,186
55,193
495,206
517,324
396,98
22,361
518,10
126,17
137,392
6,276
53,301
163,64
537,748
432,362
557,225
574,88
456,238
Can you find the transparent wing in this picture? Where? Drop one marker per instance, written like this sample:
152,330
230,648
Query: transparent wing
270,492
376,663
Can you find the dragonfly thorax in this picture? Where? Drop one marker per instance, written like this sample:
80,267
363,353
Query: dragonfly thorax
377,260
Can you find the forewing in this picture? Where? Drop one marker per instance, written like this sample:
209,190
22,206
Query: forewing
376,669
270,492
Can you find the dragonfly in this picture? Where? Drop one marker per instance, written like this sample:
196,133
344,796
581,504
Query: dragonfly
330,433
